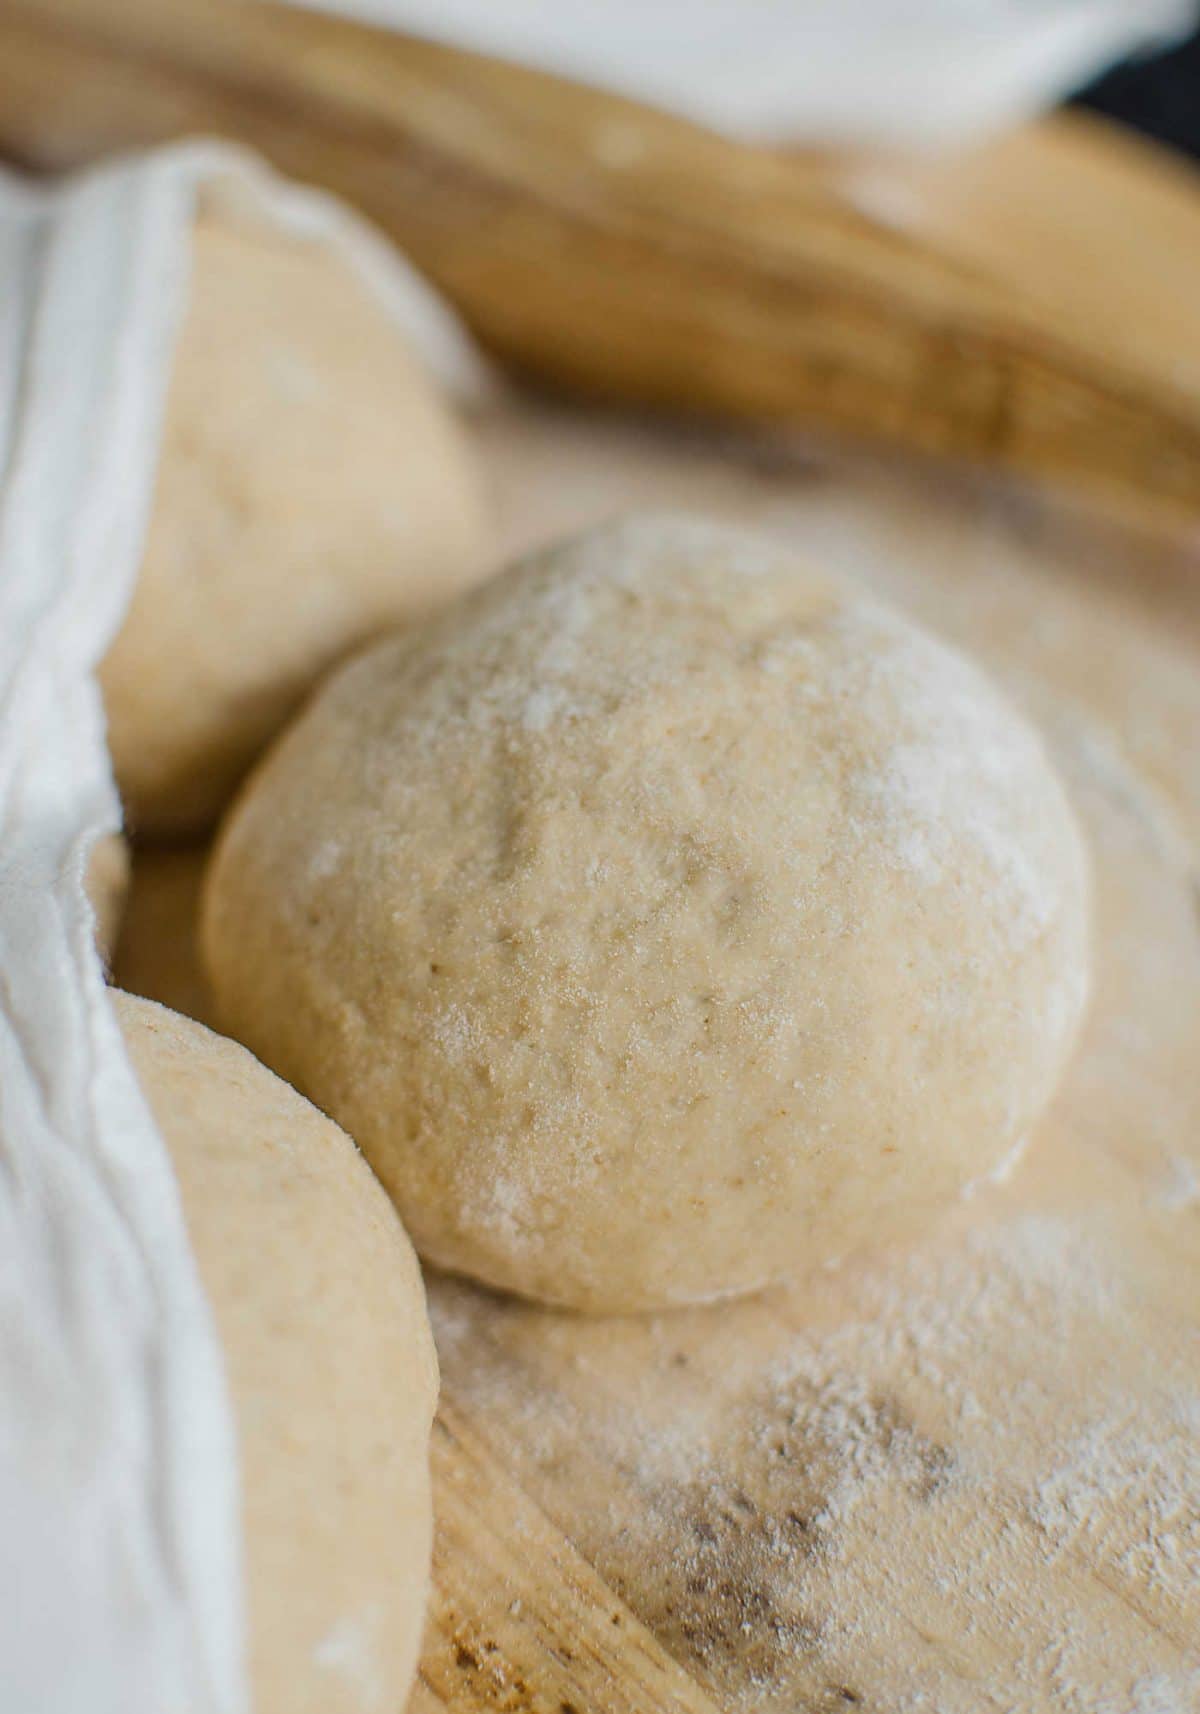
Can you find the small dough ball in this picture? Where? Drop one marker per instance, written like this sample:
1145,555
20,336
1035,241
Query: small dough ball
665,920
106,883
313,489
321,1312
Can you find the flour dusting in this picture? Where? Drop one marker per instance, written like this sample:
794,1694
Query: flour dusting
783,1495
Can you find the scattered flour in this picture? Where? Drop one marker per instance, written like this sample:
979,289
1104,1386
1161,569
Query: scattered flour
1127,1490
786,1487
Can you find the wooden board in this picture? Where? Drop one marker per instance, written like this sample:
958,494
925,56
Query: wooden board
963,1479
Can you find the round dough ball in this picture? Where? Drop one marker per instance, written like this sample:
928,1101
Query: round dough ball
313,489
665,920
321,1312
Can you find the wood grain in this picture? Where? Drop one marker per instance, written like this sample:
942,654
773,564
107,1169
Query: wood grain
1080,217
612,250
524,1620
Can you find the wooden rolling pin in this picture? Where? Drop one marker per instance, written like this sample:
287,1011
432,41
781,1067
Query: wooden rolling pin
600,245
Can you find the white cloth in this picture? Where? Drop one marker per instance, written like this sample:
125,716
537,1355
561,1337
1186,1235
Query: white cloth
903,72
120,1553
119,1561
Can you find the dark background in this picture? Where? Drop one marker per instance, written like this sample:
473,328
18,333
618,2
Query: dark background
1159,95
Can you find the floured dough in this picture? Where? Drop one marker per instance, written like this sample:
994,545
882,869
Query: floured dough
313,489
664,920
321,1312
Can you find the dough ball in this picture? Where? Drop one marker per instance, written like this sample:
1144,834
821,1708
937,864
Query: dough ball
321,1311
664,920
313,489
106,883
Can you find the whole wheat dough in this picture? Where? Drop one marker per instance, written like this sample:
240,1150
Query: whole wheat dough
664,920
313,490
321,1312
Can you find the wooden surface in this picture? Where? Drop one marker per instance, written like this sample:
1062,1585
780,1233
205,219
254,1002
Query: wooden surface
606,248
966,1479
